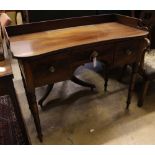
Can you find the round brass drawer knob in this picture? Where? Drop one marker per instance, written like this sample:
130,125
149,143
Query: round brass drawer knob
128,52
52,69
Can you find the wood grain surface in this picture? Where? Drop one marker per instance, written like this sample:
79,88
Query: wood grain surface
34,44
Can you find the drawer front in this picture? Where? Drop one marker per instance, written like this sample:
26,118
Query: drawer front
103,53
50,69
126,52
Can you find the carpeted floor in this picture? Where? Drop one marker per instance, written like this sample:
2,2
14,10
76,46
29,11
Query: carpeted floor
10,131
85,117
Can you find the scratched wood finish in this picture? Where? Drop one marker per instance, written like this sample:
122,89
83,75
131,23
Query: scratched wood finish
34,44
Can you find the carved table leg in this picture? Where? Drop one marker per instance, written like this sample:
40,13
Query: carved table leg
48,90
132,83
82,83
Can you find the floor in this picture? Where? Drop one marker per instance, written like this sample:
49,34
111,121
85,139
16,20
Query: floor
86,117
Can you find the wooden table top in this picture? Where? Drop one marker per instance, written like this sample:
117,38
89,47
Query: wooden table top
34,44
5,68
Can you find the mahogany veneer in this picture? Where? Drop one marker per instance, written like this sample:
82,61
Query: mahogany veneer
50,51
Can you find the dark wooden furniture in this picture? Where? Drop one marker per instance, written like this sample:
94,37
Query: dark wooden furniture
7,88
12,126
43,15
50,51
147,66
148,17
147,71
4,40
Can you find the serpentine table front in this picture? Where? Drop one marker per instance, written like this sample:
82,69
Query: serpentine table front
50,51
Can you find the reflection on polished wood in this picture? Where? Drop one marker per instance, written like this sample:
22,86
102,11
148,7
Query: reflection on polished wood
5,68
34,44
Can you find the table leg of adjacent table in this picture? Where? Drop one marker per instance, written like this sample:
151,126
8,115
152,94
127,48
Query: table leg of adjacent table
132,83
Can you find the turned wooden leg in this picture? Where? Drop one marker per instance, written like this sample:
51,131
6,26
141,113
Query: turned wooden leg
48,90
82,83
106,78
132,83
123,72
143,94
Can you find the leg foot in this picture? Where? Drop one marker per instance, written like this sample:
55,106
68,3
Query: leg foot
40,137
143,94
140,103
127,106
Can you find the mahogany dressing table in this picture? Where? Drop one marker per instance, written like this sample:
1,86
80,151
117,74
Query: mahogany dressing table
50,51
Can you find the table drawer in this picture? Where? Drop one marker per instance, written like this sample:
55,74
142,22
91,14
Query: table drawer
51,69
126,52
104,53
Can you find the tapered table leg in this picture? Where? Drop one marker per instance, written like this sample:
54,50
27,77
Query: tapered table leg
143,93
34,110
132,83
106,77
122,72
30,93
